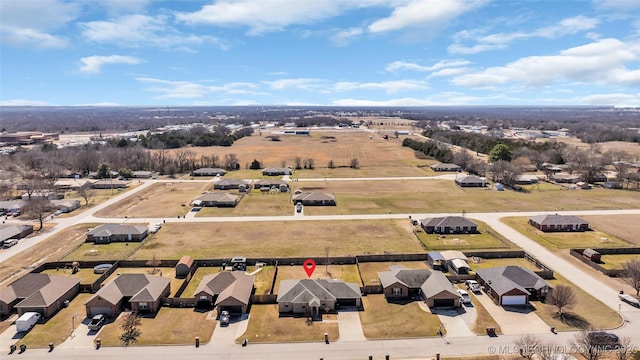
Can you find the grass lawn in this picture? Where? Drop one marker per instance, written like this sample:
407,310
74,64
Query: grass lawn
489,263
486,239
615,262
158,200
435,195
266,326
383,320
255,204
185,325
263,279
587,313
370,270
564,240
201,272
346,273
610,224
86,276
113,251
280,239
58,328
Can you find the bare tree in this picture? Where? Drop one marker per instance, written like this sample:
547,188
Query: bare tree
626,349
310,163
231,161
632,274
331,165
327,250
298,161
283,163
37,208
86,192
130,329
562,296
354,163
528,345
552,351
583,344
153,262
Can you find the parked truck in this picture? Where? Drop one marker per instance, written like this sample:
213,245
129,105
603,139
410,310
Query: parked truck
27,320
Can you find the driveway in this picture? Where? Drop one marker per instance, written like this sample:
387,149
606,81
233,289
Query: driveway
349,325
512,319
227,335
457,321
82,337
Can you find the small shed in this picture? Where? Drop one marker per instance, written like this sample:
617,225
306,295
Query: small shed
460,266
436,260
183,268
591,255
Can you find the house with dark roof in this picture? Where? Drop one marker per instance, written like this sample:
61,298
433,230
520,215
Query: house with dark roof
141,293
269,184
17,231
208,172
108,233
448,225
431,286
446,167
229,184
555,222
142,174
227,290
216,200
314,199
471,181
276,171
312,297
513,285
41,293
110,184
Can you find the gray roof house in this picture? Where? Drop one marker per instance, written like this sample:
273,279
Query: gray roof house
311,297
431,286
41,293
445,167
513,285
17,231
557,222
268,184
216,199
448,225
471,181
314,199
227,290
141,293
208,172
275,171
227,184
108,233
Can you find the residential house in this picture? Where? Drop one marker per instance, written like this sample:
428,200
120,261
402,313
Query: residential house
565,178
71,184
512,285
227,290
66,206
17,231
110,184
208,172
41,293
12,205
216,200
141,293
448,225
312,297
456,261
557,222
471,181
108,233
276,171
228,184
271,184
142,174
183,267
314,199
49,195
526,179
446,167
431,286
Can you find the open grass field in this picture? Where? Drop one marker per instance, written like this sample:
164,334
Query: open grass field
280,239
266,326
630,148
565,240
112,251
165,272
86,276
346,273
486,239
625,227
159,200
370,270
52,249
256,204
431,195
587,313
98,197
384,320
616,262
185,325
58,328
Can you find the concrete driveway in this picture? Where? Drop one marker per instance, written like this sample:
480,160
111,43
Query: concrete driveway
349,325
512,319
227,335
82,337
457,321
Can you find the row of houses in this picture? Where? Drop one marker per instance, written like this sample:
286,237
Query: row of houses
271,171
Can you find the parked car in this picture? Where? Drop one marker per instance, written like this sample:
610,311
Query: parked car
299,208
58,212
464,296
629,299
602,338
27,320
225,318
195,209
97,322
472,285
9,243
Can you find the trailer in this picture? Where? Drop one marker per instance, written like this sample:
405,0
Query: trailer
27,321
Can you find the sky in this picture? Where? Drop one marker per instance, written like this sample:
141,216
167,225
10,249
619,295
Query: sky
319,52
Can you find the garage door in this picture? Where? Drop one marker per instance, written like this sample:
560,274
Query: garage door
514,300
443,302
100,310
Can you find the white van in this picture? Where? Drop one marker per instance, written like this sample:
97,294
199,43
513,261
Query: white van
27,320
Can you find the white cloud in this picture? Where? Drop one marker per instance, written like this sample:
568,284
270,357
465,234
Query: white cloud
24,102
189,89
26,36
619,100
118,7
344,37
499,41
405,65
601,62
450,72
93,64
142,31
387,86
300,83
423,13
617,4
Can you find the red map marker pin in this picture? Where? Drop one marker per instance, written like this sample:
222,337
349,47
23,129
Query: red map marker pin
309,266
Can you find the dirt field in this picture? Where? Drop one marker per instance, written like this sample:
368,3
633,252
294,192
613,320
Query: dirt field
256,204
280,239
159,200
612,225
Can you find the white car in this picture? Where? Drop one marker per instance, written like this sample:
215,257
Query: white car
464,296
472,285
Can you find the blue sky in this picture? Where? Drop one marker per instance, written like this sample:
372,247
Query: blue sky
320,52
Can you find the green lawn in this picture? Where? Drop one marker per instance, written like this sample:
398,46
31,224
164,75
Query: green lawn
486,239
383,320
266,326
564,240
616,261
489,263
